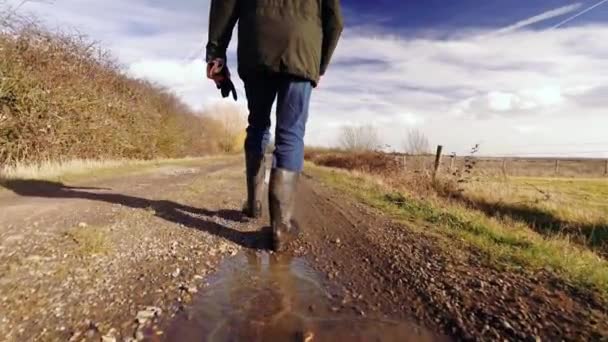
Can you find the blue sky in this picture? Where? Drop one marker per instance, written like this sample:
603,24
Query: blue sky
444,15
462,71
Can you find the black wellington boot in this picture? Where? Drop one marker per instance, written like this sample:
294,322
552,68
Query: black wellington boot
256,172
281,199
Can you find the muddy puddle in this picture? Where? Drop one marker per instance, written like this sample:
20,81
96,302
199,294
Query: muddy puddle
269,297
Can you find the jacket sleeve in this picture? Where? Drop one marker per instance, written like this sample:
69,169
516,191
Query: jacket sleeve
223,16
332,29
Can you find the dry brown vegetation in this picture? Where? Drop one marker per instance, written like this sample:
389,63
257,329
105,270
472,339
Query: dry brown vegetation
366,161
63,97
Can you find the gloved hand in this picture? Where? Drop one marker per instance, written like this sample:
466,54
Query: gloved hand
226,87
218,71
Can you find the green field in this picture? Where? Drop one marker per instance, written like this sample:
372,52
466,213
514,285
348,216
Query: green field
572,208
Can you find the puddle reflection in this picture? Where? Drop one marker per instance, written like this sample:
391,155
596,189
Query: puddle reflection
270,297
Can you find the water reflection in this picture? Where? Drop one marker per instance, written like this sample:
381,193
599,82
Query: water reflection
270,297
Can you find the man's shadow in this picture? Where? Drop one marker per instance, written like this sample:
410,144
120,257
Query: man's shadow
168,210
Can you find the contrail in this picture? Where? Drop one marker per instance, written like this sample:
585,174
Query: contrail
541,17
578,14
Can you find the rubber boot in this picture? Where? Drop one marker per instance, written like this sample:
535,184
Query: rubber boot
281,199
256,172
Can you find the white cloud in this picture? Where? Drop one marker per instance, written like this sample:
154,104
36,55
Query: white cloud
526,78
521,86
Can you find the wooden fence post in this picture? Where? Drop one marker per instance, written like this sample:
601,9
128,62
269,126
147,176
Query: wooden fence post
504,167
606,168
452,161
404,163
557,167
437,161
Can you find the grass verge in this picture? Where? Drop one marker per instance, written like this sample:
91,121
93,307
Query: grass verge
52,170
505,242
74,170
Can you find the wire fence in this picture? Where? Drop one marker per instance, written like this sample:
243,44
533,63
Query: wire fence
507,166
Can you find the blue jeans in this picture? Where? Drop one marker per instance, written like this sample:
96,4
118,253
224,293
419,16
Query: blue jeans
293,99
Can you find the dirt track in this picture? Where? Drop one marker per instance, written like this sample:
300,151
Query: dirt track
90,262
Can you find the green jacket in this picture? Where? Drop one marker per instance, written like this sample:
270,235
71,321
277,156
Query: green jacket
296,37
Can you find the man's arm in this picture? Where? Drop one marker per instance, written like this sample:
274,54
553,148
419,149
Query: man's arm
222,18
332,29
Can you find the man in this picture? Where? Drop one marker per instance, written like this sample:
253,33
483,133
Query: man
284,47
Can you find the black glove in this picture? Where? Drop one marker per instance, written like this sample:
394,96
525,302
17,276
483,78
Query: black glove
225,84
226,87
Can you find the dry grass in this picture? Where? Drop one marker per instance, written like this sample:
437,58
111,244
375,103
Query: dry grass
51,170
63,97
572,208
572,200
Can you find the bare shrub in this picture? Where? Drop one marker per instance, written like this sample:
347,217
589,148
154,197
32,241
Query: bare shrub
416,143
64,97
359,138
